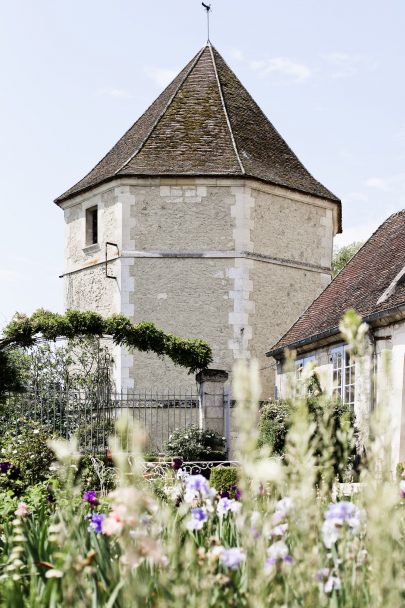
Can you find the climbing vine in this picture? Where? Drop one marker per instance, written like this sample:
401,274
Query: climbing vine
24,331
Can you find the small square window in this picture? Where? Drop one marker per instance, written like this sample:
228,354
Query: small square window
91,226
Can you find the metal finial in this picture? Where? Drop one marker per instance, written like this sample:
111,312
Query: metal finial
208,9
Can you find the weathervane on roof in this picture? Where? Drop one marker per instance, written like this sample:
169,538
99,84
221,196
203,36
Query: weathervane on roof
208,9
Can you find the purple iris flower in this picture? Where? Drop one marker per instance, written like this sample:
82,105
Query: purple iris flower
225,494
277,553
199,514
5,467
343,510
177,463
232,558
91,497
197,486
237,492
198,518
96,522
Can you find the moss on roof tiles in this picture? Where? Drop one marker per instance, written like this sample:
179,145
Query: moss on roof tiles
204,123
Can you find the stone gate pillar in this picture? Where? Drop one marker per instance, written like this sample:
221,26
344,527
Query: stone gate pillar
211,391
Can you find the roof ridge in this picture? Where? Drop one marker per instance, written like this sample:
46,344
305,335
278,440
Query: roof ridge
162,113
228,122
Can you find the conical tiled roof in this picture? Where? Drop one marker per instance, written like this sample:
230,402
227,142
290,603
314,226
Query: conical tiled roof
204,123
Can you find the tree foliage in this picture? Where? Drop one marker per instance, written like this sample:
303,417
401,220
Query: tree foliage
24,331
343,255
11,372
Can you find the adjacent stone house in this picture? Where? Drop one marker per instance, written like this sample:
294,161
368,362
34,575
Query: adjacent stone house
373,283
202,220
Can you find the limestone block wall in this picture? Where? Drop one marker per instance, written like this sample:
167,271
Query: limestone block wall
231,261
292,226
281,294
187,297
182,217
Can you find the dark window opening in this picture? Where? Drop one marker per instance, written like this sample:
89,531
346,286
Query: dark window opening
91,226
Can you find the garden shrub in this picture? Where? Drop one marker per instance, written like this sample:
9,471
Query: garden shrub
196,444
12,372
23,331
97,473
225,479
276,419
25,457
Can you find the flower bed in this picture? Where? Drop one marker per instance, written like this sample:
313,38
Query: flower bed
281,537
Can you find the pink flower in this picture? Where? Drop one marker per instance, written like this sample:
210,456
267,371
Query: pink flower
113,524
22,510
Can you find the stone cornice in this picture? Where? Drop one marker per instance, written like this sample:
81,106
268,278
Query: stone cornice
249,255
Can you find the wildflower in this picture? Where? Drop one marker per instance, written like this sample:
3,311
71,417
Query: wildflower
279,530
277,553
401,487
327,582
91,497
22,510
232,558
284,505
65,451
227,504
54,573
322,575
96,522
255,521
198,518
332,583
330,533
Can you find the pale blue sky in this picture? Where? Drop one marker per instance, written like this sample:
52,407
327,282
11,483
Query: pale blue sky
76,74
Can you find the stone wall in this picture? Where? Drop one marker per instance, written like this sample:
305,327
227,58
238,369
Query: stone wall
231,261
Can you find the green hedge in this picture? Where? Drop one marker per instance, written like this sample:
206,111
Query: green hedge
225,479
194,444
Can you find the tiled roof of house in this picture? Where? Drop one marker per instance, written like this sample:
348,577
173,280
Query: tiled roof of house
371,283
204,123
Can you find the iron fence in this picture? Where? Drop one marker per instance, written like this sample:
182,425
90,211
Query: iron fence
91,416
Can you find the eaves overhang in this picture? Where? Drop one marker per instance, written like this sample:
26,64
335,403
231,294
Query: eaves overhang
333,334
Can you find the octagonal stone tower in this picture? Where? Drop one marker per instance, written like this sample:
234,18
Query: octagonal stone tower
211,226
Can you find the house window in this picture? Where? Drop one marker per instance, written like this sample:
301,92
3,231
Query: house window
343,374
91,226
299,366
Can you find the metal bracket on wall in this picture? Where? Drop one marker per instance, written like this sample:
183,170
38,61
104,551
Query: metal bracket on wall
108,243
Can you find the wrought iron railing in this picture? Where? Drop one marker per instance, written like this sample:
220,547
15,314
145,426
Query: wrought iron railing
91,415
